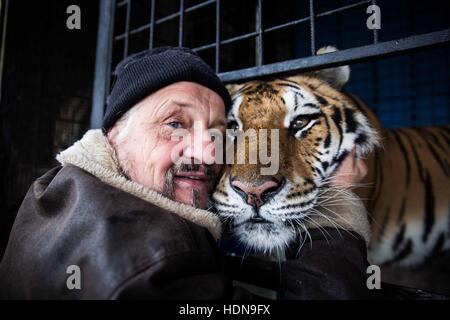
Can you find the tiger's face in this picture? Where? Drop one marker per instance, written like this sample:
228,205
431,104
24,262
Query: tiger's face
317,127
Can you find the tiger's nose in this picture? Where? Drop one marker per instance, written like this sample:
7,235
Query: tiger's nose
256,194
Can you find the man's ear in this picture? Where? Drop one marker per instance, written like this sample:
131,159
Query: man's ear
233,88
112,133
337,77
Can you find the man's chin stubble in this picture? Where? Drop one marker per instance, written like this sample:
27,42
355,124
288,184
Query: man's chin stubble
169,190
170,185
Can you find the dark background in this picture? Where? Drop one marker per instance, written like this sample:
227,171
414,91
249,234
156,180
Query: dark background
48,70
46,86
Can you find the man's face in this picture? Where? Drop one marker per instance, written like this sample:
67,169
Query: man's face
146,142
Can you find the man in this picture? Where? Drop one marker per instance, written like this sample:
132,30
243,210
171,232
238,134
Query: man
122,219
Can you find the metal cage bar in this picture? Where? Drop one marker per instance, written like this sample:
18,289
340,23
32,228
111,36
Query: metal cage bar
152,23
375,31
217,44
181,24
312,26
285,25
127,29
259,37
357,54
4,21
102,61
240,37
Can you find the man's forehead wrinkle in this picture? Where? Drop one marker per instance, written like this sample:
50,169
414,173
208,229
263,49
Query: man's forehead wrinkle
174,103
190,99
170,105
182,104
163,107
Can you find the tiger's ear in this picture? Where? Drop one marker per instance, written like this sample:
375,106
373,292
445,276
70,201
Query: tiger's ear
233,88
337,77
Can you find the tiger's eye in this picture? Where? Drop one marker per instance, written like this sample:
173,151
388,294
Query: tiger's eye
300,123
233,125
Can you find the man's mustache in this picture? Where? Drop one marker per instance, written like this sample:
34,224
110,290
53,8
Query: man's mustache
206,169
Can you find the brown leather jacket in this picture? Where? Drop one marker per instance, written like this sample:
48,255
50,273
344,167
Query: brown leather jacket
125,247
130,243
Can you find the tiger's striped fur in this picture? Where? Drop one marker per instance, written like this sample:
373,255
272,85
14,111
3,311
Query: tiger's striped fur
409,193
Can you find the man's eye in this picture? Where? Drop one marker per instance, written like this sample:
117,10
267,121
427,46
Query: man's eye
233,125
175,124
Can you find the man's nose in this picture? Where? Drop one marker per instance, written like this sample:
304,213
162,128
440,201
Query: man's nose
256,194
201,148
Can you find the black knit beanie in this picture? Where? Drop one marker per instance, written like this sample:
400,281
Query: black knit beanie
143,73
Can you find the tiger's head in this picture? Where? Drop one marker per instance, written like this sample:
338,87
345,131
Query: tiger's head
317,127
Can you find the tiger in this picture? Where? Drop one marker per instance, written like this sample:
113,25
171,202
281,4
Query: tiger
406,191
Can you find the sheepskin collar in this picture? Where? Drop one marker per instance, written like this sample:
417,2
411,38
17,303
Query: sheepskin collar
94,154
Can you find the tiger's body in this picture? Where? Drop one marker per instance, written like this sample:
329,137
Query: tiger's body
406,190
407,193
